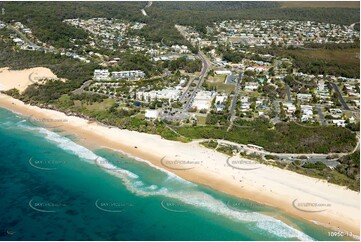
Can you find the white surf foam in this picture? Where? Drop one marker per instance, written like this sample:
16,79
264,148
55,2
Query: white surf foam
191,197
171,176
206,202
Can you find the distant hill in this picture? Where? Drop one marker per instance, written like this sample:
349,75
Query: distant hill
213,5
320,4
45,18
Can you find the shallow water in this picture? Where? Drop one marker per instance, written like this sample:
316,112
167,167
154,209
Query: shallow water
55,189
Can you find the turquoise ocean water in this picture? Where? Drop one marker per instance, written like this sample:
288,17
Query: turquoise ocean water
52,188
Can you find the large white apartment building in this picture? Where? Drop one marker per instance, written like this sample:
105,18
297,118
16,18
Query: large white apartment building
100,75
116,75
169,94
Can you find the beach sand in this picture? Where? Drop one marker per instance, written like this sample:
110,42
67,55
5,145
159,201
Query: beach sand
20,79
315,200
337,207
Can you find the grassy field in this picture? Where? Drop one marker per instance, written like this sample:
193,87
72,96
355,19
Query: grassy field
201,120
250,94
218,78
320,4
218,82
96,106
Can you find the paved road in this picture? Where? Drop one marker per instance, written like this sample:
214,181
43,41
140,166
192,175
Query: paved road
235,97
147,6
81,89
288,93
198,82
344,105
276,108
353,25
23,37
320,115
205,65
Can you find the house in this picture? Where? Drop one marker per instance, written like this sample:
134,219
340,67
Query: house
321,86
290,107
251,86
307,113
220,107
258,68
339,122
336,112
304,97
220,99
245,106
18,41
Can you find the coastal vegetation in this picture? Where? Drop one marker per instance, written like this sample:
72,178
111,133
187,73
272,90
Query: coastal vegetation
339,62
342,60
283,138
350,165
183,63
45,19
321,171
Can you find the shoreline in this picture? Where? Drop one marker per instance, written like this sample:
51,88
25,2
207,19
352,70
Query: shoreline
265,185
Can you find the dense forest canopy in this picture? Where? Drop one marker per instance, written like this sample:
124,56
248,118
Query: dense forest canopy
214,6
45,18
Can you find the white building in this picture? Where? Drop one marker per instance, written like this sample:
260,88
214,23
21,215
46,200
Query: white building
220,98
304,97
203,100
245,106
180,49
151,114
336,112
169,94
222,72
100,75
291,108
307,113
339,122
18,41
251,86
116,75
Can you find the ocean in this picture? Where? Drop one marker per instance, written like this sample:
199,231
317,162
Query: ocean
52,188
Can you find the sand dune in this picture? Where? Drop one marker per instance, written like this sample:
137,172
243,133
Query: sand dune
21,79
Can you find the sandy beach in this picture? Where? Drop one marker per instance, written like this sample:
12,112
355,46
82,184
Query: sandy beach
20,79
312,199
